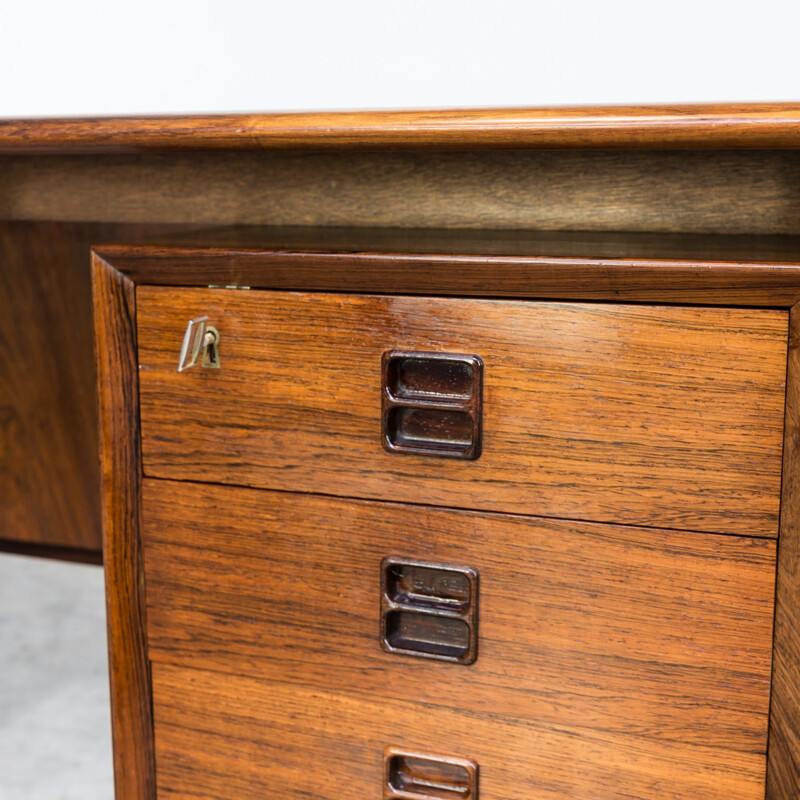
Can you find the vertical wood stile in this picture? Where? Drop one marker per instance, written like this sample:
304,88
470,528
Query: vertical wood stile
783,768
120,462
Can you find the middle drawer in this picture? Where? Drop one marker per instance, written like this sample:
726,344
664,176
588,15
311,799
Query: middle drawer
653,641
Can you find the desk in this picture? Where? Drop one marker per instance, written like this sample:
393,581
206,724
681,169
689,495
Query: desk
685,208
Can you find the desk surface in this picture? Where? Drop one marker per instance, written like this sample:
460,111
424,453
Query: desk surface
756,125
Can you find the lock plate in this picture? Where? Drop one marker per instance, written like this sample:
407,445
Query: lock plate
200,339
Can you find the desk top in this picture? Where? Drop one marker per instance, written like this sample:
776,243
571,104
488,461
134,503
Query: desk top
757,125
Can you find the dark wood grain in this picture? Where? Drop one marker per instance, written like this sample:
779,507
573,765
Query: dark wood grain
48,419
612,633
48,413
693,608
622,267
660,416
722,125
634,641
226,737
723,192
120,461
48,406
714,250
78,555
783,777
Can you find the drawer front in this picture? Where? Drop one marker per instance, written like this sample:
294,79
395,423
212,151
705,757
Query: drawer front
611,661
654,416
239,738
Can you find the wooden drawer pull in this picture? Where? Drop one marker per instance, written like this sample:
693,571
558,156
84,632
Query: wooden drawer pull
432,404
412,776
429,610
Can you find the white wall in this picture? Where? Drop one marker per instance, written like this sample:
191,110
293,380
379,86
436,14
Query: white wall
155,56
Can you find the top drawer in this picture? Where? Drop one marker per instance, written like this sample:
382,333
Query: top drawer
661,416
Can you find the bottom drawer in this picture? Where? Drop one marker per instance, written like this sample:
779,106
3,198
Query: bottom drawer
612,662
229,737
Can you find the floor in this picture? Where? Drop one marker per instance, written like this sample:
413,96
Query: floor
55,736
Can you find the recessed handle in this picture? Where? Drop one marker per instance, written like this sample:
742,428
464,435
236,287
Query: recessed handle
432,404
417,776
429,610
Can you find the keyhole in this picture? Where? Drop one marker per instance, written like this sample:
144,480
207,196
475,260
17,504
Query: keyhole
210,345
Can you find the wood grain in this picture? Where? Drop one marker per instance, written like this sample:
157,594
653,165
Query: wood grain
722,125
623,267
48,408
610,632
659,416
714,250
701,191
120,460
658,644
235,738
783,778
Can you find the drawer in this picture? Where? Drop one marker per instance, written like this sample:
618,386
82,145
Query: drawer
655,416
240,738
612,662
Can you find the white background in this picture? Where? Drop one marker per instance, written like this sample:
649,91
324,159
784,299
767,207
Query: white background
86,57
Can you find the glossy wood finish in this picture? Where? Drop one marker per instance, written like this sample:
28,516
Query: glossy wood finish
48,411
653,640
120,460
235,738
459,244
783,779
723,192
212,724
767,125
620,267
48,414
659,416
